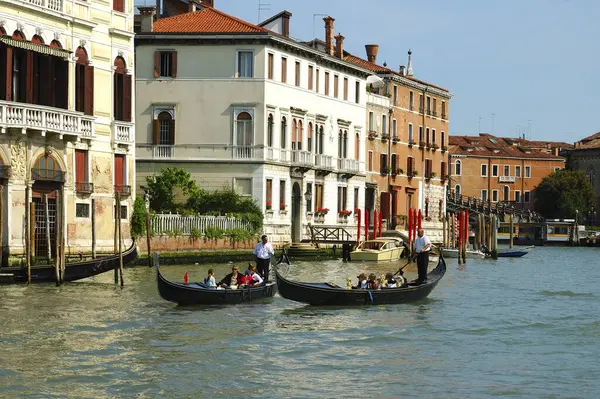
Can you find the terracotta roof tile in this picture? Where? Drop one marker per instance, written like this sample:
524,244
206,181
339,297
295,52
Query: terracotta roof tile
507,147
590,142
207,20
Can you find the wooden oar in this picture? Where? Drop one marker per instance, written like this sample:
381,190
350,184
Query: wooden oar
407,263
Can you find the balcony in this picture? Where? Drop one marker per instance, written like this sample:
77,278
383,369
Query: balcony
243,152
506,179
302,158
122,132
84,187
324,161
163,152
45,119
125,191
348,167
54,5
49,175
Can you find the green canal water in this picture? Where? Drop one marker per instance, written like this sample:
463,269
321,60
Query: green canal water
519,328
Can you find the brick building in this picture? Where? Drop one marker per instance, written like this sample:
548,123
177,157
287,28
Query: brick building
586,157
501,168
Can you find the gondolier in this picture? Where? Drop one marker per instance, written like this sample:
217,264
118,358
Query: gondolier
423,246
263,252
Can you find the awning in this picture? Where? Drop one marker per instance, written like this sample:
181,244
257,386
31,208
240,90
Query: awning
375,81
38,48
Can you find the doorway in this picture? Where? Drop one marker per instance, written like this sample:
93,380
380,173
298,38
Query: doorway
40,244
296,212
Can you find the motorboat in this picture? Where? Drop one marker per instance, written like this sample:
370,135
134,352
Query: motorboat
453,253
381,249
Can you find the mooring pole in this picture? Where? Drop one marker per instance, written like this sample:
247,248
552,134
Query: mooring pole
116,236
93,228
148,237
120,243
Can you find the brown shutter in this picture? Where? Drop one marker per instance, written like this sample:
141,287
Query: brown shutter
45,82
8,81
3,72
116,97
155,131
89,90
156,64
127,87
79,103
61,90
174,64
29,78
172,132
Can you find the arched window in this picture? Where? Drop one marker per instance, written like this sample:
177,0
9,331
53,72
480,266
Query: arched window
166,128
299,135
340,143
321,137
427,136
283,132
122,91
345,149
294,134
457,192
55,44
309,137
47,169
19,71
457,167
506,193
84,83
37,40
244,135
357,147
443,140
270,131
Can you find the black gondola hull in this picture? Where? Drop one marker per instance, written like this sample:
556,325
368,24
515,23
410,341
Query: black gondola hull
320,294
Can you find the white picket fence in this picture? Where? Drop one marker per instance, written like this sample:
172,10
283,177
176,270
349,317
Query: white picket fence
163,223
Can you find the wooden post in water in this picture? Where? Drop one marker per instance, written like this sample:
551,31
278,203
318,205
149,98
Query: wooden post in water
148,235
93,228
47,219
459,236
511,235
27,244
1,224
63,236
117,213
120,245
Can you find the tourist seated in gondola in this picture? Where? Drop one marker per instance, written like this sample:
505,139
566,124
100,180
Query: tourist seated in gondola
372,282
210,279
362,281
256,279
231,280
390,281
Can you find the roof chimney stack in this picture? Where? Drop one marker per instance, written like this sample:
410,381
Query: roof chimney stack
192,5
409,71
329,34
402,70
339,46
285,19
146,18
372,50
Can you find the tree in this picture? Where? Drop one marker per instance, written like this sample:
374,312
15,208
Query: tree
563,193
138,217
164,188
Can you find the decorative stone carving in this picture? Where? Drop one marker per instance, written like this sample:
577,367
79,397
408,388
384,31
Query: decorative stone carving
20,27
48,150
57,36
120,53
18,159
2,22
38,31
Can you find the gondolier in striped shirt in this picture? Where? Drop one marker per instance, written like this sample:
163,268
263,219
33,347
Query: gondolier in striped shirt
263,252
423,245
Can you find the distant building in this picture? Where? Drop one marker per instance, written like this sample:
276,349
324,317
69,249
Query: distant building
586,157
501,169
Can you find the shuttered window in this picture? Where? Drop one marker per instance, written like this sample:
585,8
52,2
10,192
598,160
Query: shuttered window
123,90
165,64
81,163
119,5
163,129
84,83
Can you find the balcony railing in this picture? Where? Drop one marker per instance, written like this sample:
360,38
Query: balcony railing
84,187
125,191
243,152
163,152
348,165
46,119
284,155
52,175
302,157
506,179
54,5
324,161
123,132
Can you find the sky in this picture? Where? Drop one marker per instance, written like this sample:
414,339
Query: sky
512,66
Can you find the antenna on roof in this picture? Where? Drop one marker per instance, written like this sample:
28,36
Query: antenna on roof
314,18
262,7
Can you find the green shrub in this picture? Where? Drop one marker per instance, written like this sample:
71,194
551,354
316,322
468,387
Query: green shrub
239,235
195,234
138,217
213,233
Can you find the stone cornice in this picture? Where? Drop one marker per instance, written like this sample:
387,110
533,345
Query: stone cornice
418,86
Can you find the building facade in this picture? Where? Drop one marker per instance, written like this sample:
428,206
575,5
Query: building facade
246,106
66,119
586,157
500,169
407,130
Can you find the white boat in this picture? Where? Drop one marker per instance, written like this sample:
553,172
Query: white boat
382,249
453,253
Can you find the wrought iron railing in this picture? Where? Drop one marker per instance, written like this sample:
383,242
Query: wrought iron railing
124,190
84,187
52,175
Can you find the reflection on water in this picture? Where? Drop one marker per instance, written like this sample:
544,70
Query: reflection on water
495,328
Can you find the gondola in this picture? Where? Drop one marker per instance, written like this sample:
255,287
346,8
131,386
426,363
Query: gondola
327,294
73,271
199,294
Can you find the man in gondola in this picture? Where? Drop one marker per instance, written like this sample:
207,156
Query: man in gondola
423,246
263,252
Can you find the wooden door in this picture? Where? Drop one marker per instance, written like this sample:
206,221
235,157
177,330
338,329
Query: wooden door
80,166
119,170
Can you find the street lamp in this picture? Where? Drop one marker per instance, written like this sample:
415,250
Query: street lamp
307,195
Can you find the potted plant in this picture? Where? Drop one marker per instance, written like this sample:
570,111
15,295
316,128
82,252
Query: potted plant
268,206
435,146
415,173
395,139
400,171
444,148
372,134
421,144
411,142
385,170
345,212
384,136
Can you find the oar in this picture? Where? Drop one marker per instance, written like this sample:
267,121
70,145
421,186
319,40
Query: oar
407,263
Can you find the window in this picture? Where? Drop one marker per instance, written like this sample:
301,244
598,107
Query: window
357,146
384,126
444,116
395,96
309,137
484,195
494,195
527,171
443,171
433,136
297,73
269,194
163,129
517,171
346,89
309,201
119,171
82,210
394,164
84,84
122,90
310,77
409,166
484,171
410,133
411,100
318,195
244,135
383,166
421,138
421,103
457,191
357,92
282,203
283,69
394,128
428,105
526,196
434,110
317,81
506,193
428,168
46,168
321,140
335,85
517,196
283,132
119,5
270,66
506,170
245,67
494,170
356,194
342,198
370,165
123,212
371,122
81,171
270,131
165,64
326,83
243,187
457,167
443,141
427,137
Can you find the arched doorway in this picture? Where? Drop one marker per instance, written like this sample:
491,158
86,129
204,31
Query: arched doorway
296,216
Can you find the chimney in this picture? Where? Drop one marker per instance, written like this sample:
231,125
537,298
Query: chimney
339,46
409,71
285,24
208,3
146,18
192,5
157,9
402,70
555,151
372,50
329,34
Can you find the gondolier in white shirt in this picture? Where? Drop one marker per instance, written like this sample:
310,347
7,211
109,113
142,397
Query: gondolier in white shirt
263,252
423,246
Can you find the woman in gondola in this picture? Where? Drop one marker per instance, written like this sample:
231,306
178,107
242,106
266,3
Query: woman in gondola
256,278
